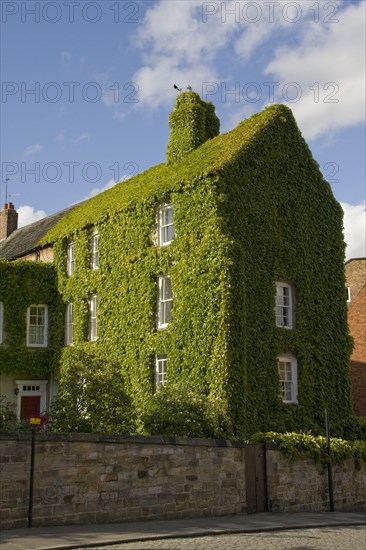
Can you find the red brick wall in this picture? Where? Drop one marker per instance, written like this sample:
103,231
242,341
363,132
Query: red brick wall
356,280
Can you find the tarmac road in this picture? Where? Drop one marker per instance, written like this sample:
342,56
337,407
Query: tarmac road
324,538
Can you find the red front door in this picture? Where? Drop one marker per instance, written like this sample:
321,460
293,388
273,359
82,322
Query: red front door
30,407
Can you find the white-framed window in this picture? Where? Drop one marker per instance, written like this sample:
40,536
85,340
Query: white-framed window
165,301
284,305
94,250
287,370
1,322
348,293
161,362
37,326
70,258
166,224
93,310
69,324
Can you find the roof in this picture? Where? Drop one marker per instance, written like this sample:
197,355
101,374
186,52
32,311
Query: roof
355,260
208,160
24,240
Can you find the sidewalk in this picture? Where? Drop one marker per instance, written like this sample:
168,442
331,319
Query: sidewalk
78,536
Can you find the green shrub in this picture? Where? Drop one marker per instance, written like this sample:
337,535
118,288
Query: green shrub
176,410
8,418
92,396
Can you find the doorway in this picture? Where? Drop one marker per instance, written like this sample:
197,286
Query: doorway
255,478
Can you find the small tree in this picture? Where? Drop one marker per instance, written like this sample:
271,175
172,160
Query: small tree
92,396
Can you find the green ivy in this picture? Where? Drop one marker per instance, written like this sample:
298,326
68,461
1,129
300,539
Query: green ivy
22,284
192,122
250,207
296,445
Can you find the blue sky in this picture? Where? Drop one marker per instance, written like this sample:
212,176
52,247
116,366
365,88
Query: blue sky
87,88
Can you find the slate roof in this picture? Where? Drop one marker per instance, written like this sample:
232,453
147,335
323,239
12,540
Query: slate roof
24,240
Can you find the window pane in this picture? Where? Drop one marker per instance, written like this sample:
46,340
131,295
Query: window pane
36,329
95,251
165,302
283,306
166,225
167,289
168,306
70,258
93,330
69,324
160,371
288,383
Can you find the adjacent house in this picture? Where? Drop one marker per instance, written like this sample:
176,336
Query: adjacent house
221,268
356,298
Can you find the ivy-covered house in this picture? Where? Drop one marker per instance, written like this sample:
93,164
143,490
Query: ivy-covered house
221,268
31,315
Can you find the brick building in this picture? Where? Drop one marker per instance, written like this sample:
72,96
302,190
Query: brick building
356,295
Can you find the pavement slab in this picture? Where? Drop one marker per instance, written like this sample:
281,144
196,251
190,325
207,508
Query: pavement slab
69,537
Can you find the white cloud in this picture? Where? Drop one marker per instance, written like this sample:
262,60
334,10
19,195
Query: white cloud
178,47
31,149
331,58
61,135
82,137
113,94
96,190
355,229
28,215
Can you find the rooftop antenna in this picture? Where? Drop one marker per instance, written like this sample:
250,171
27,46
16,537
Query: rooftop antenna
7,193
13,195
6,189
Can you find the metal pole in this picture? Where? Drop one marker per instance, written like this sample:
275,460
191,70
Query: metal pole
31,479
329,464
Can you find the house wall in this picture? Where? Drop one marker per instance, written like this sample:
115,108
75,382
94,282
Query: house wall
356,275
302,486
43,255
288,227
23,284
89,478
356,280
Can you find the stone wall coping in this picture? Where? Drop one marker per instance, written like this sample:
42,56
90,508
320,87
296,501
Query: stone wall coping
127,439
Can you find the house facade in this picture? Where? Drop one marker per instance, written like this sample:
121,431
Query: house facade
221,269
356,298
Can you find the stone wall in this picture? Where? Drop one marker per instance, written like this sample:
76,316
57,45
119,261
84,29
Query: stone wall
86,478
302,486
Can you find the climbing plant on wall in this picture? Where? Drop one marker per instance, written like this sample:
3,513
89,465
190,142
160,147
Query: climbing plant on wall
23,284
250,208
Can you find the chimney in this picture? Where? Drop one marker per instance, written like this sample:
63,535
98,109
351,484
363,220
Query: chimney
8,220
192,122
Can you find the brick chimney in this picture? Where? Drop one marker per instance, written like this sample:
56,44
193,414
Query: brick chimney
8,220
